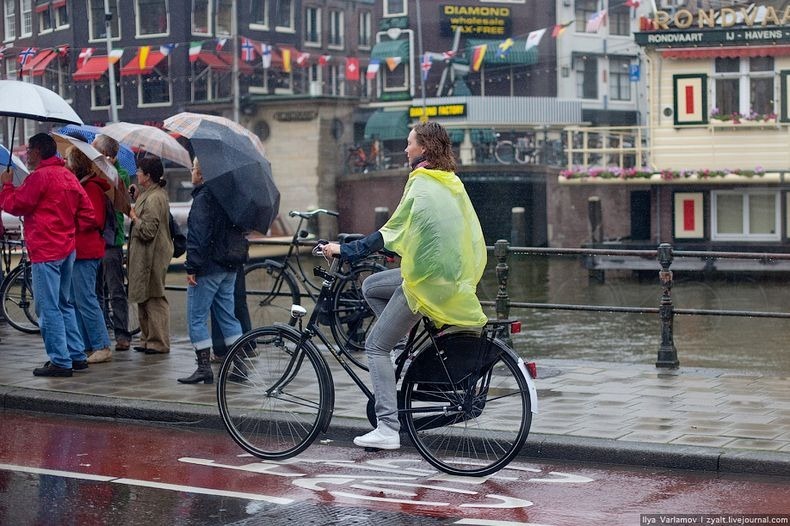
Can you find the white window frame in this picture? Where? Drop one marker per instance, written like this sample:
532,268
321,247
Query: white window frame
115,21
404,11
216,20
265,25
48,13
26,7
580,74
745,235
10,69
336,77
316,30
60,24
620,60
118,92
365,29
744,76
59,71
337,37
9,20
209,10
141,82
213,79
291,27
137,18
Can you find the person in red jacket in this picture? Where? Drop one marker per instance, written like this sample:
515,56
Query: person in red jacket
90,251
54,207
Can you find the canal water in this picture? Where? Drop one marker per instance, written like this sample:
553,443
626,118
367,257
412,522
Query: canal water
743,343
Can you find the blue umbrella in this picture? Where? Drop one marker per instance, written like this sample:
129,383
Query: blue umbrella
87,133
19,169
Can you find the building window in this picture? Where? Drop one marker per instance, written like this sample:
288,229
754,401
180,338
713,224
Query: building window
100,90
312,26
364,29
209,84
619,79
27,18
152,17
9,21
585,9
394,7
259,14
744,85
336,77
154,88
224,16
10,69
395,80
284,15
46,21
586,69
336,33
56,77
61,14
201,18
745,216
619,20
96,24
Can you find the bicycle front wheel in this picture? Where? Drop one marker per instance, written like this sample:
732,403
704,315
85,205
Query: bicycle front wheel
466,406
351,316
270,293
18,305
274,394
505,152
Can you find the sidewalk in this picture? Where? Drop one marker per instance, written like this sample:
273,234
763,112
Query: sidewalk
716,420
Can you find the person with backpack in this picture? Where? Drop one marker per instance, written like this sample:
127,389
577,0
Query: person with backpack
90,251
215,247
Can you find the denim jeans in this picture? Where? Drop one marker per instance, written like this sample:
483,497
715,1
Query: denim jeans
213,292
90,318
384,294
56,317
240,311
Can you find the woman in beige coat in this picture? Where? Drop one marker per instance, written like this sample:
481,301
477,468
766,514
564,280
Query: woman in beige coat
150,250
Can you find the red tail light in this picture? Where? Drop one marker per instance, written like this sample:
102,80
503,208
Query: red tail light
532,369
515,327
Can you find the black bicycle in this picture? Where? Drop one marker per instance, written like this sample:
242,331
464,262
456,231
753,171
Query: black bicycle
276,392
273,286
18,305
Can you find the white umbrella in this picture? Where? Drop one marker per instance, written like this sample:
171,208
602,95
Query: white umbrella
100,161
186,123
25,100
148,138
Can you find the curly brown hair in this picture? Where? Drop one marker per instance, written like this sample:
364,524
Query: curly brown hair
438,148
78,162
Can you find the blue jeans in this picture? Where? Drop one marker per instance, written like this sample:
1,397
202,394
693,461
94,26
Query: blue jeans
56,316
394,319
90,318
213,292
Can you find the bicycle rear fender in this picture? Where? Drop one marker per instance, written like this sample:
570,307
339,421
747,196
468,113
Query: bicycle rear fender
274,263
426,362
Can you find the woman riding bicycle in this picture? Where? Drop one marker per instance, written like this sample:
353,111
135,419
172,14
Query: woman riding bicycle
438,236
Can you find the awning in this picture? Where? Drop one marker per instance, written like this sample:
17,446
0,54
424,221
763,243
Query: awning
515,54
456,136
92,70
387,125
244,67
133,66
391,48
482,135
40,8
39,63
58,3
213,61
727,52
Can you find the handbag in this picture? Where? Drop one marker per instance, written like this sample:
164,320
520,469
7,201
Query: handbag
179,239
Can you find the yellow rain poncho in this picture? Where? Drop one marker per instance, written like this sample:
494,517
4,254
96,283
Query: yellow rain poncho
443,253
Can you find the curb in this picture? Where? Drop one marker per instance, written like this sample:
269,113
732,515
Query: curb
342,430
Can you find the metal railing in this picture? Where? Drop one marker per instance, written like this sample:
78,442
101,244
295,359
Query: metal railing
667,356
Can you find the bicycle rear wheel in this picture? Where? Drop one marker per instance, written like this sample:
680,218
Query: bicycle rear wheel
270,293
18,304
274,395
467,406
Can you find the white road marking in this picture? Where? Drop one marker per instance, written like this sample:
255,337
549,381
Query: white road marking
487,522
56,472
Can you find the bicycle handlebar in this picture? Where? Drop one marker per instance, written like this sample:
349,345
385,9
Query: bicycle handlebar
308,215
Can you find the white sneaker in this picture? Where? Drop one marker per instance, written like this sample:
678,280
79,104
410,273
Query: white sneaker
380,438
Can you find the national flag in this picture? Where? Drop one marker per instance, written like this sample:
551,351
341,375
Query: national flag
632,3
62,50
352,68
323,60
426,65
447,55
559,29
266,56
85,54
596,21
25,55
143,54
194,50
533,39
115,55
221,44
504,47
166,49
302,59
393,62
3,49
373,68
286,59
247,50
478,54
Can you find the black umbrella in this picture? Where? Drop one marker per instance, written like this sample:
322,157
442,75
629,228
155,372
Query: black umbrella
237,175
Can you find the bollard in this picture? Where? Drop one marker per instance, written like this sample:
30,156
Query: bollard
381,215
667,353
518,229
501,253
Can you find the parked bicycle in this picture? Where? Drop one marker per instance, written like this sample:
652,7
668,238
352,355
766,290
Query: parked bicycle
276,390
273,286
523,151
360,161
16,291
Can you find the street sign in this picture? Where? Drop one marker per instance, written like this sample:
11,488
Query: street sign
633,72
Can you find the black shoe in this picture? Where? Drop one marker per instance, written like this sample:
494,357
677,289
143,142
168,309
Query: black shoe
51,369
140,349
80,365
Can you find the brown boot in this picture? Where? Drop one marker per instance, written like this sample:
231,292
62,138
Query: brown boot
203,373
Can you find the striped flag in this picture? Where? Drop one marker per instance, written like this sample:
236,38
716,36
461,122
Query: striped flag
393,62
302,59
478,54
221,44
559,29
115,55
62,50
596,21
323,60
373,68
166,49
143,54
286,59
194,50
266,56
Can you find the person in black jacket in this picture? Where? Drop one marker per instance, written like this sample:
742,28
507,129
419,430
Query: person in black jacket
214,245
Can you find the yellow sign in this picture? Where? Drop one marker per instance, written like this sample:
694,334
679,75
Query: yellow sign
441,110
